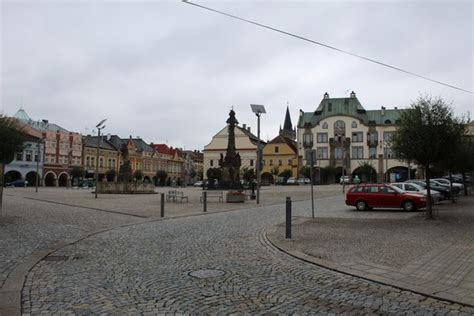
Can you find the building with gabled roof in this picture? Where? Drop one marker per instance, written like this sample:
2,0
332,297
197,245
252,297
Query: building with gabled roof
245,142
346,135
62,149
281,153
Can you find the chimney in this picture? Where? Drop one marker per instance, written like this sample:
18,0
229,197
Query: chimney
248,128
353,95
383,111
396,108
326,95
45,121
244,126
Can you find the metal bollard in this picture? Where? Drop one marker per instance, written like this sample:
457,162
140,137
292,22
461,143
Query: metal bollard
162,213
288,217
204,201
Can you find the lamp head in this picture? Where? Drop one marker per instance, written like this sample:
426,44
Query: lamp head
258,109
100,123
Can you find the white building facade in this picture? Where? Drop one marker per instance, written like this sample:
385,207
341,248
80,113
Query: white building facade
246,145
347,137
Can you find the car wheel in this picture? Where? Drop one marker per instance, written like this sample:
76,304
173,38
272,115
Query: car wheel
409,206
361,205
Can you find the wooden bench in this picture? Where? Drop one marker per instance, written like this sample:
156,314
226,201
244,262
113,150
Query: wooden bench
213,194
175,195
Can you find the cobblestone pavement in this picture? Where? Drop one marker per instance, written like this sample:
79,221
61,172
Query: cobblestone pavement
29,226
219,263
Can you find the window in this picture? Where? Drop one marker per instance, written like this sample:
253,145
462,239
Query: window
357,152
92,162
409,187
88,161
271,162
322,137
322,152
387,136
339,128
372,189
372,152
19,156
387,153
357,137
263,162
325,125
36,156
101,162
290,162
277,149
280,163
373,138
357,189
251,162
338,153
211,162
354,124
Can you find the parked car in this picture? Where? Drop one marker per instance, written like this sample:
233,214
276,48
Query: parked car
301,181
416,188
291,180
368,196
444,191
457,187
198,184
345,179
17,183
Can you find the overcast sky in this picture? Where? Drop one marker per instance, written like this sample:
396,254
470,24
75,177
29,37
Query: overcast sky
170,72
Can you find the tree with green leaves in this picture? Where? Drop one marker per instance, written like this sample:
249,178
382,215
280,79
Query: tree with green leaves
138,175
305,172
161,175
110,175
248,174
77,172
426,135
12,137
366,171
286,174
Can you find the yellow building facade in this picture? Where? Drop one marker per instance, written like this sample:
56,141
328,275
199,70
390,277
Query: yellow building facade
278,155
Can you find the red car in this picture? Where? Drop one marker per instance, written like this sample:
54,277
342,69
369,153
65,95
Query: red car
368,196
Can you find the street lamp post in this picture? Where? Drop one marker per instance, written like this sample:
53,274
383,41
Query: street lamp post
96,175
38,144
343,170
258,109
310,157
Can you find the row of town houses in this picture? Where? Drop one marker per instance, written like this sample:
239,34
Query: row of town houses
52,152
345,136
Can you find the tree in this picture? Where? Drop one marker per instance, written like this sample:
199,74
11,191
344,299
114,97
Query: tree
275,171
305,172
110,175
427,134
138,175
161,175
287,173
77,172
12,137
214,174
248,174
366,171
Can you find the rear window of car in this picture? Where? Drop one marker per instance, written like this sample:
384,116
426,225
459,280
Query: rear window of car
357,189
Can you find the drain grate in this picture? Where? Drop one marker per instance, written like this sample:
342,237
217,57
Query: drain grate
56,258
206,273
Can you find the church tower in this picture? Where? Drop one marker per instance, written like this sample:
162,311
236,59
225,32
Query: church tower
288,131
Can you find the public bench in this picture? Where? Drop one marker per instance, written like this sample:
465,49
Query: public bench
219,195
175,195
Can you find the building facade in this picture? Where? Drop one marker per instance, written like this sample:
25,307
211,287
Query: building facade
62,149
281,153
193,166
245,143
109,157
347,137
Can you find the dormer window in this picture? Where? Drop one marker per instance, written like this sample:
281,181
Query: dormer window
388,122
354,124
325,125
